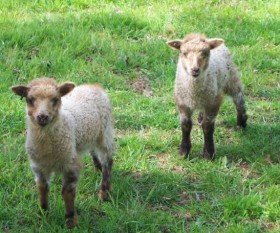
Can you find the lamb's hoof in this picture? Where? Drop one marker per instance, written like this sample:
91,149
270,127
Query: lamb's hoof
200,118
242,121
207,155
241,125
71,222
103,195
43,213
184,149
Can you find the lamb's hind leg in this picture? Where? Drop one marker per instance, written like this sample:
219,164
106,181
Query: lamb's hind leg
208,126
70,180
234,89
239,102
104,164
96,161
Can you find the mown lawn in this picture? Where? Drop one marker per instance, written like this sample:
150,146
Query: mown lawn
122,46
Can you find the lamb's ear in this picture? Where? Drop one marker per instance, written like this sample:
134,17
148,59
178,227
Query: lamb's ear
175,44
214,42
20,90
65,88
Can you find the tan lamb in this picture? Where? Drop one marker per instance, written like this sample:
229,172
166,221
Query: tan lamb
205,73
63,122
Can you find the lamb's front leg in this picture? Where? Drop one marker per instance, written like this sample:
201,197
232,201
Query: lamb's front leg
186,127
42,182
70,180
43,189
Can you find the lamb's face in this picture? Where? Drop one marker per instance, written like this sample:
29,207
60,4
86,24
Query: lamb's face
195,57
195,53
43,103
43,99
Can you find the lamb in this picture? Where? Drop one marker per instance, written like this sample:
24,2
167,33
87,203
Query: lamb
205,73
63,122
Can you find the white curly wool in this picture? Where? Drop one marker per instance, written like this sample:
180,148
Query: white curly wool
63,122
218,79
205,73
83,124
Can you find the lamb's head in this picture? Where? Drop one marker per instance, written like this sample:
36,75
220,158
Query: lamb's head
195,52
43,99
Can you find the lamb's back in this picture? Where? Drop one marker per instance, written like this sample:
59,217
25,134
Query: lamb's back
87,107
221,66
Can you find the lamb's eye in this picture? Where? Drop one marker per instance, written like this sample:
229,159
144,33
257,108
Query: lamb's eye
30,100
55,100
204,53
185,54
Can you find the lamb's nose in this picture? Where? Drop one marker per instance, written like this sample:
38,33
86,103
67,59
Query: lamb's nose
43,119
195,72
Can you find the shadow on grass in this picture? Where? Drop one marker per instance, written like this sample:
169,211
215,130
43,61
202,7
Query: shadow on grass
146,201
255,143
176,201
150,201
158,201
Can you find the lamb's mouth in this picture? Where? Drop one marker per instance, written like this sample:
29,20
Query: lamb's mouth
195,73
43,124
43,120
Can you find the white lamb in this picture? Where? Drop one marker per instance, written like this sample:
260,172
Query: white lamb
63,122
205,72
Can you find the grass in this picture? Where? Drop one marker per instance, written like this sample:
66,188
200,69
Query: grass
116,43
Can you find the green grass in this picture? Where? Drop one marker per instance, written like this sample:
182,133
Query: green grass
115,43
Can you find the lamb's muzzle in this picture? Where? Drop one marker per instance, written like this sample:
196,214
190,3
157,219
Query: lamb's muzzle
43,119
